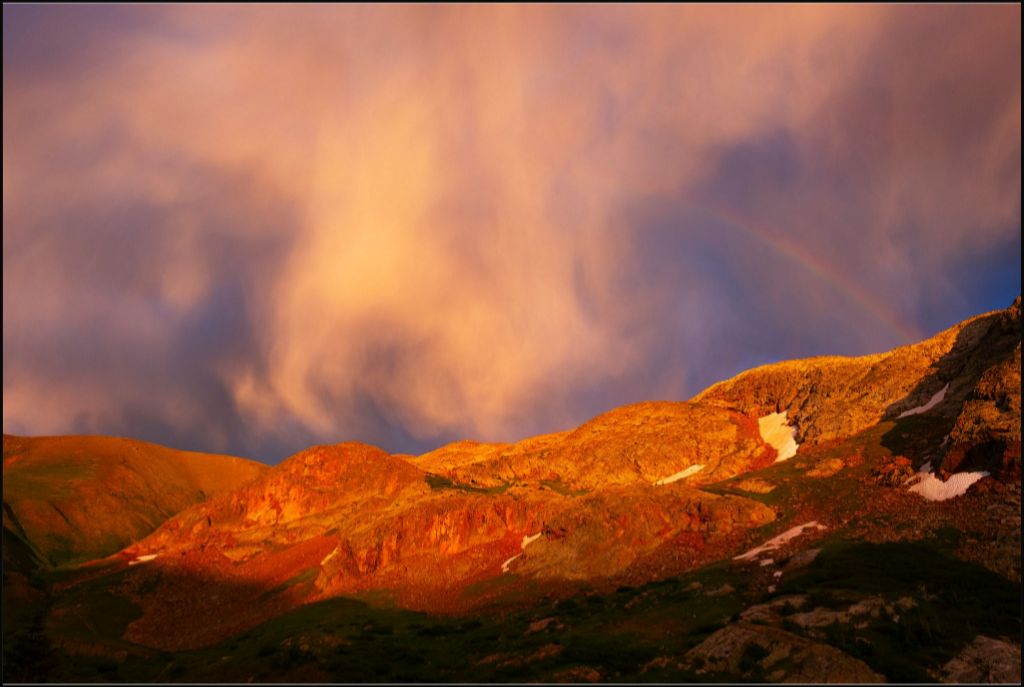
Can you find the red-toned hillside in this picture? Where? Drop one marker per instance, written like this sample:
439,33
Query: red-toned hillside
75,498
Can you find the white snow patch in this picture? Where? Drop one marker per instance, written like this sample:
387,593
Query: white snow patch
777,433
143,559
932,402
692,470
934,489
777,574
527,540
776,542
766,561
504,566
329,556
771,588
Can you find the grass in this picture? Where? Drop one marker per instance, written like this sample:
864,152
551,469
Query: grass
93,611
440,482
560,487
306,576
370,640
45,481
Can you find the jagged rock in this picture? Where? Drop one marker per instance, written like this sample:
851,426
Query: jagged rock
826,468
543,624
787,607
986,435
800,559
984,660
746,650
894,473
830,398
578,674
755,485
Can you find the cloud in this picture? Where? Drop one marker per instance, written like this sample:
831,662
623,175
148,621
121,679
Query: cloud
249,229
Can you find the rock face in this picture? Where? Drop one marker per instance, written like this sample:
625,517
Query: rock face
80,497
756,651
350,518
986,434
984,660
621,529
829,398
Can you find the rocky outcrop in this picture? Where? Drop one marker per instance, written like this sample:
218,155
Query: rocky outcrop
974,365
616,530
760,652
986,434
984,660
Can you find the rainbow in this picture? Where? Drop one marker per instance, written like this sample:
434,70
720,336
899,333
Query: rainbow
820,268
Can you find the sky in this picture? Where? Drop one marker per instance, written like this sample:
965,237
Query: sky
250,229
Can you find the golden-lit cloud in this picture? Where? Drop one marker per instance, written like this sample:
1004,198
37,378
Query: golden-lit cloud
268,225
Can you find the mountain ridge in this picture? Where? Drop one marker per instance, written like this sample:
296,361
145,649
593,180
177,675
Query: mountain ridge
748,479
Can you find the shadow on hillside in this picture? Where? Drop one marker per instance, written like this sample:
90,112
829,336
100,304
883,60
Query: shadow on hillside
111,622
980,345
348,640
123,625
159,621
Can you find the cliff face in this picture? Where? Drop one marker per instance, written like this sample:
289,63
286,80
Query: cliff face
970,373
350,519
986,432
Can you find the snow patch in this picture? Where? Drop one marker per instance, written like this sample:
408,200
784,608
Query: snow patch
932,402
766,561
329,556
504,566
527,540
692,470
143,559
934,489
776,542
780,435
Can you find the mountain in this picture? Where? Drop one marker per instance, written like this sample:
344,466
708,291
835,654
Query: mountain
967,377
848,519
75,498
